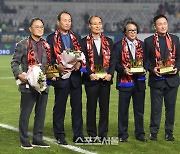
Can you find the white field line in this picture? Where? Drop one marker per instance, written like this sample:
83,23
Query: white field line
8,77
73,148
5,66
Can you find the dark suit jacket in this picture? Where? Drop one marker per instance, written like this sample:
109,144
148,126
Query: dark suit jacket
118,47
75,77
98,60
20,58
172,80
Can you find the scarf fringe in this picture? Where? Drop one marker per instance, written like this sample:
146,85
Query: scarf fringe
141,78
126,84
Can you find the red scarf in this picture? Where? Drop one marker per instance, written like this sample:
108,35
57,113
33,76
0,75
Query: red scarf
57,44
32,60
105,49
126,58
171,48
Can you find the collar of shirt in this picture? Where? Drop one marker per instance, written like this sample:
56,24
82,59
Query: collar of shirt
37,47
131,42
66,40
99,38
36,42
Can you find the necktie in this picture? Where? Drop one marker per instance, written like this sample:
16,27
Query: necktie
133,50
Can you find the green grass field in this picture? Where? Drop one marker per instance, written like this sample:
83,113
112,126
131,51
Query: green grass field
9,114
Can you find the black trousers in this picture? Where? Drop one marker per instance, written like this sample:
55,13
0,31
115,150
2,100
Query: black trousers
169,95
27,103
59,110
94,94
138,98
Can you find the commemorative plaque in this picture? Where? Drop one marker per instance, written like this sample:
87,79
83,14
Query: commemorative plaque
51,71
100,71
165,67
136,66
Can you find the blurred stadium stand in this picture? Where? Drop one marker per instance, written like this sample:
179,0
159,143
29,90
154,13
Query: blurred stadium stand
15,15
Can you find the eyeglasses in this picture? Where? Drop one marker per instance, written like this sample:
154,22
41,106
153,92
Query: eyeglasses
95,24
38,27
132,30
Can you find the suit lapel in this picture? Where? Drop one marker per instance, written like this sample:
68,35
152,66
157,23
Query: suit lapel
95,50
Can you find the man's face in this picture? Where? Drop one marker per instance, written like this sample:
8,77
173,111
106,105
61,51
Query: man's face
65,22
161,26
131,32
95,25
37,28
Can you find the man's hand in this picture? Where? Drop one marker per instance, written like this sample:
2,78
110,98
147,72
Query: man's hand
107,77
156,72
174,71
93,77
127,71
63,69
76,66
22,77
144,72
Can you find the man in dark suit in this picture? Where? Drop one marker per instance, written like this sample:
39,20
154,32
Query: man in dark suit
129,84
162,47
63,38
31,51
98,52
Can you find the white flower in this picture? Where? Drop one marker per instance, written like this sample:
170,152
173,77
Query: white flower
36,78
69,58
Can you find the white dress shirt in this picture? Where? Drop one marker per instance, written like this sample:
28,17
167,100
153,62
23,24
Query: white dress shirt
98,44
132,47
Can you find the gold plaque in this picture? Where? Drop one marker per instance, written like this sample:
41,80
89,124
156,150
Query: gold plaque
136,69
165,66
51,71
136,66
166,70
101,74
100,71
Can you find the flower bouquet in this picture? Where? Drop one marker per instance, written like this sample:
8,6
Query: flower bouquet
36,78
69,58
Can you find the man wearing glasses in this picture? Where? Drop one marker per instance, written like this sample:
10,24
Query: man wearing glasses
32,51
130,84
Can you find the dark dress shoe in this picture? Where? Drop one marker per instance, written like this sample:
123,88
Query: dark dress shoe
62,141
169,137
123,139
26,145
40,144
141,138
153,137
